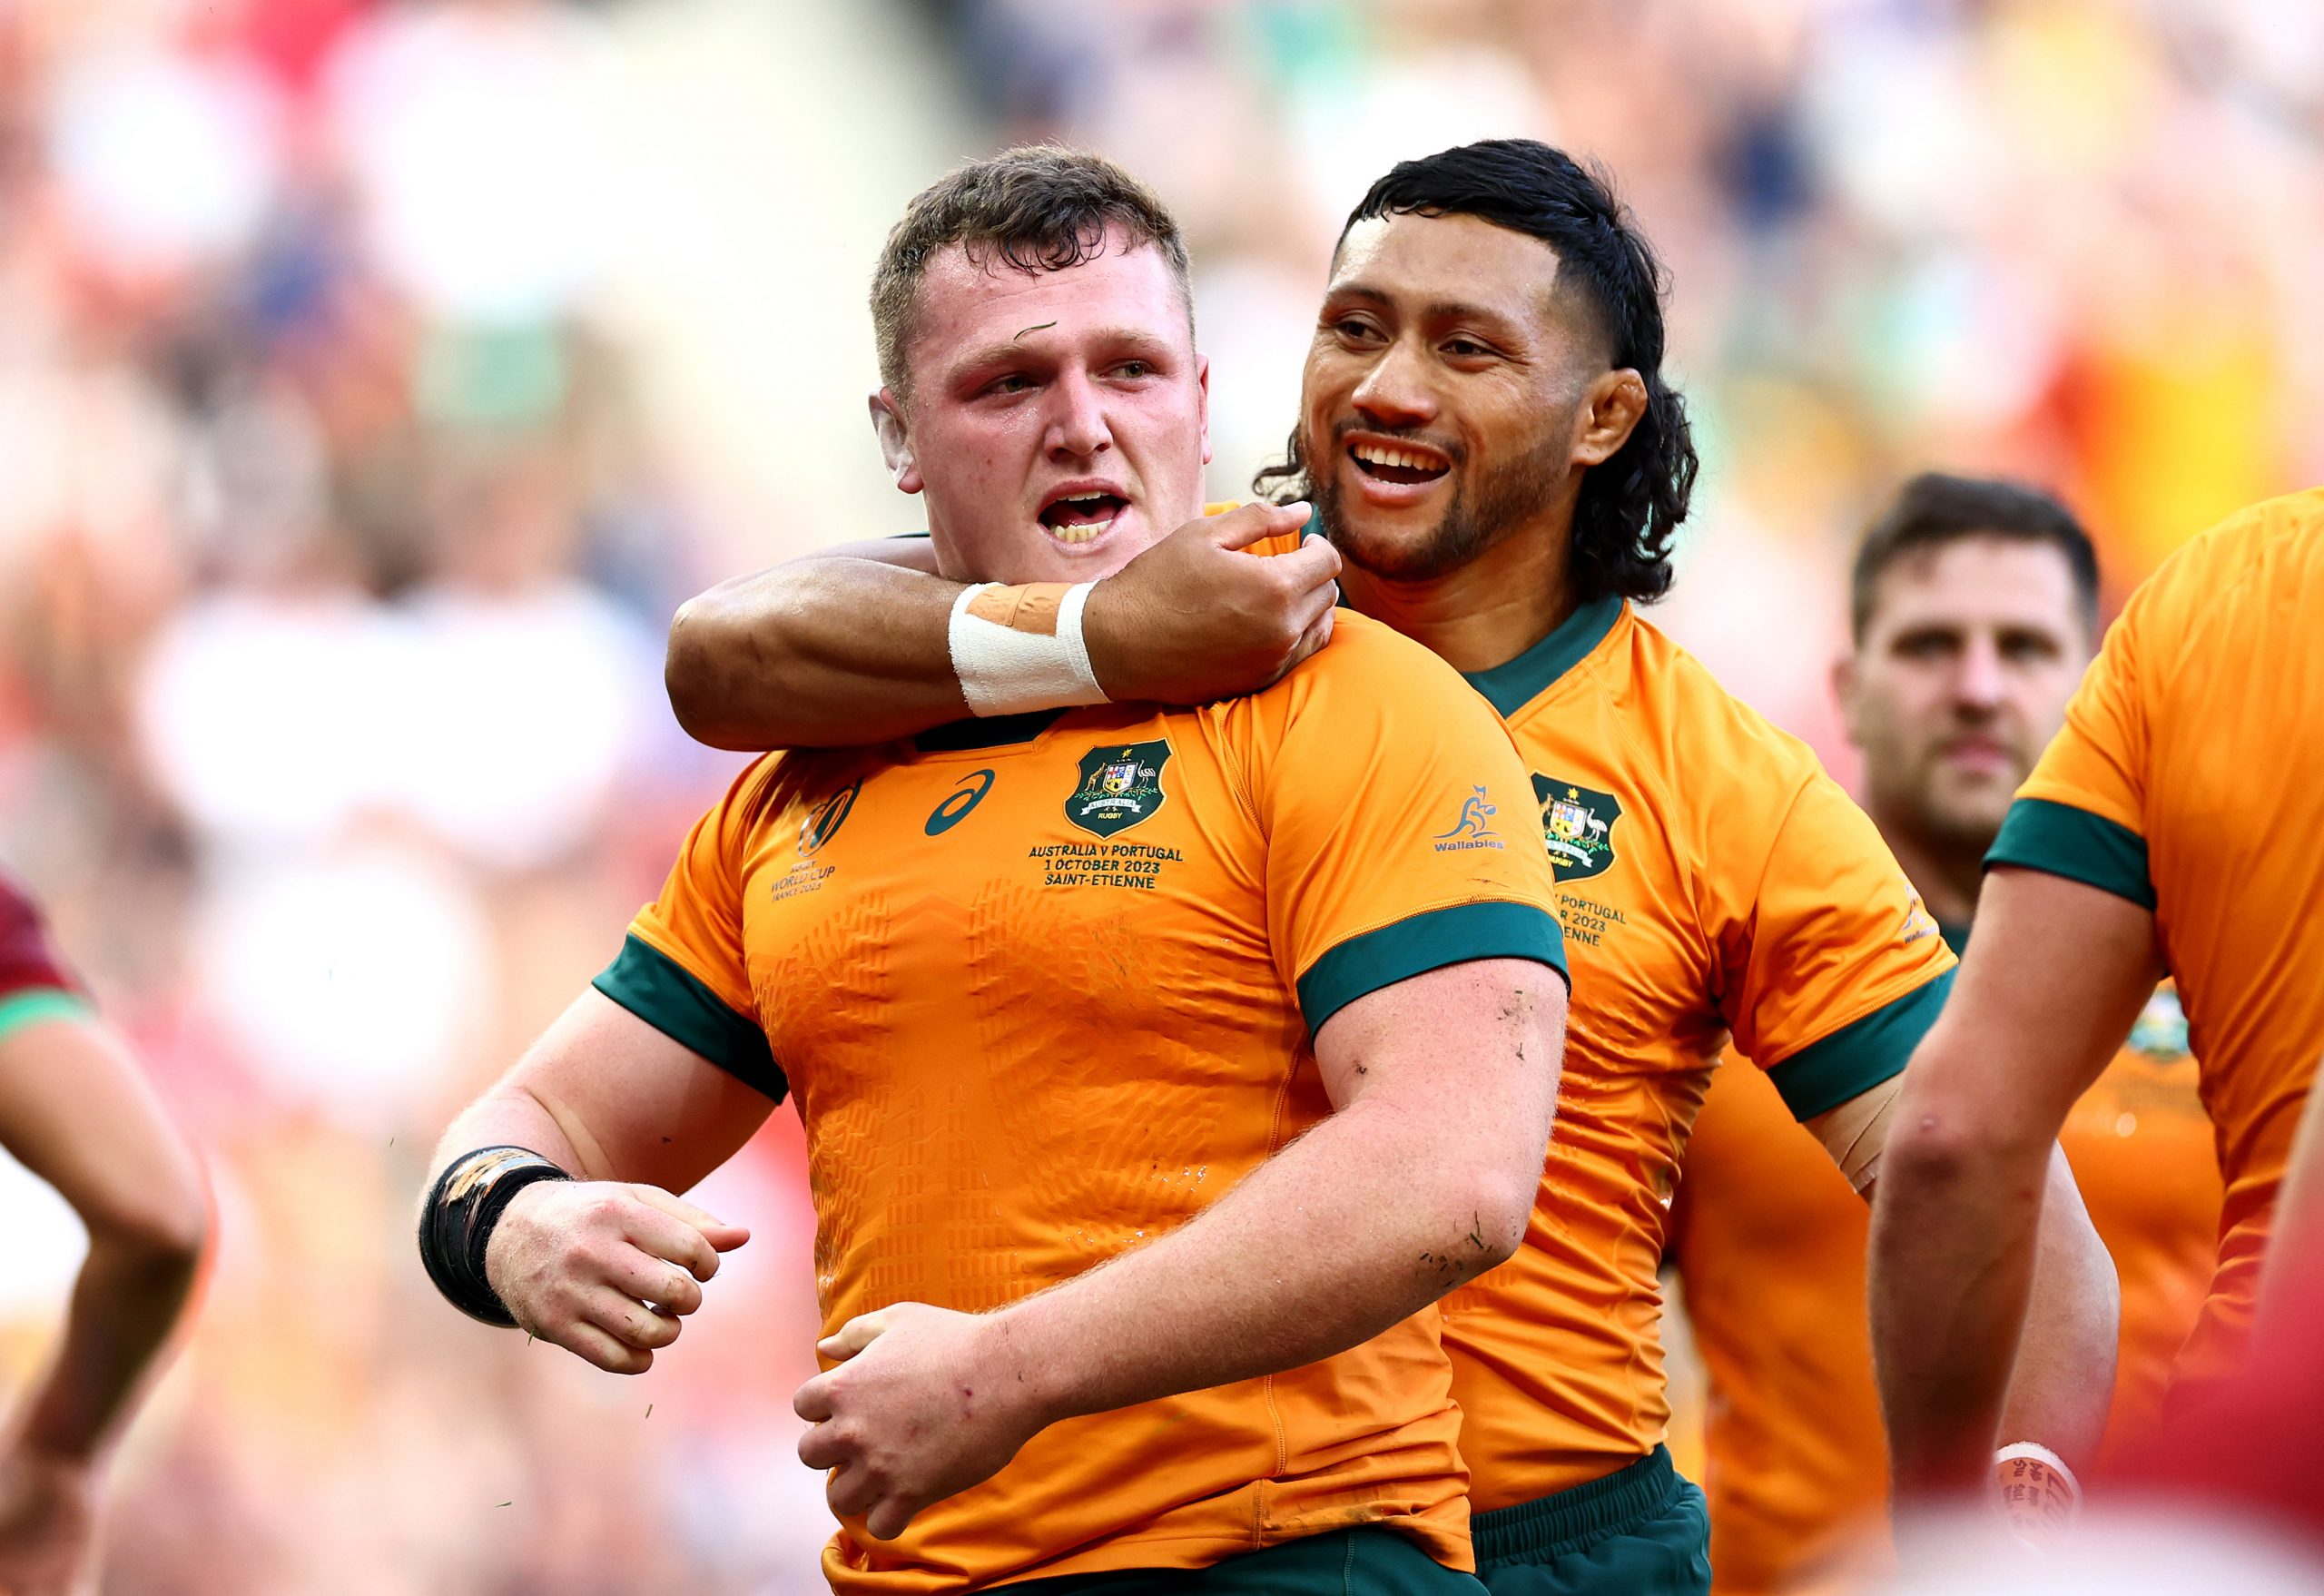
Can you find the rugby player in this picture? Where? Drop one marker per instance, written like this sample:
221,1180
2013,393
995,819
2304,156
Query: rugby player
2176,823
1272,989
1976,609
1491,446
76,1112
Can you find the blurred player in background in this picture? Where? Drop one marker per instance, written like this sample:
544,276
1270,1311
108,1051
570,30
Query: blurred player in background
77,1111
1975,612
1490,445
2176,823
1257,1007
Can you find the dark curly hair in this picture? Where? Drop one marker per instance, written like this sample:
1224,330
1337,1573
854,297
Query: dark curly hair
1631,504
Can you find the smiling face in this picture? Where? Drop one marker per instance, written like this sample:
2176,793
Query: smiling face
1058,422
1449,394
1969,652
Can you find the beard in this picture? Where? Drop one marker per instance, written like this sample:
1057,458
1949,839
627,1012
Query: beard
1508,495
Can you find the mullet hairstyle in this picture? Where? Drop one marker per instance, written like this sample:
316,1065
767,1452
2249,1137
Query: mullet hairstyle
1035,208
1935,509
1630,505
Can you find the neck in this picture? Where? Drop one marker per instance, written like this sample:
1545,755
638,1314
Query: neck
1945,871
1479,615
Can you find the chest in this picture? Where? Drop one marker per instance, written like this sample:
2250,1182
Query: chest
1054,916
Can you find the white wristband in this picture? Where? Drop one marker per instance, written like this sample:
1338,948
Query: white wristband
2038,1496
1020,648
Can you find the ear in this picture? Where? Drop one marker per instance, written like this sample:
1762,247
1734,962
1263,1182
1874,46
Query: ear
1845,681
895,439
1201,391
1611,412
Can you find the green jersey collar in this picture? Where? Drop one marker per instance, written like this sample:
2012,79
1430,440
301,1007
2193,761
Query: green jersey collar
1510,687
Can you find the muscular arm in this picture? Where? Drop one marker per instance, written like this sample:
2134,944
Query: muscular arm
607,1264
851,647
1422,1178
2296,1247
78,1112
1977,1233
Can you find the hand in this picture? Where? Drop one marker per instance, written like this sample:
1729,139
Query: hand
922,1405
48,1518
1194,618
603,1269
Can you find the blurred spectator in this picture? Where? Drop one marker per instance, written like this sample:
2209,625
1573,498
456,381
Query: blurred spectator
375,377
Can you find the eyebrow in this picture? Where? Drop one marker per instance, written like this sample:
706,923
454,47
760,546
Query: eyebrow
1435,311
999,354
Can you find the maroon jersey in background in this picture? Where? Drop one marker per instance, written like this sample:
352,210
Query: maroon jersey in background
27,962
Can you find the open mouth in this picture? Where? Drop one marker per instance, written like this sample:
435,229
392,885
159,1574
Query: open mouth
1405,464
1079,517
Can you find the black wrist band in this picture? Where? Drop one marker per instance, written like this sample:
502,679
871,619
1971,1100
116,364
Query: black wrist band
455,1225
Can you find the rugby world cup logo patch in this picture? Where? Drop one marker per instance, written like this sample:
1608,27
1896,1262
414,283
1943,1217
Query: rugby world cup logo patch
1121,785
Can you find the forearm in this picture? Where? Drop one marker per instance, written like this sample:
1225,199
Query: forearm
2064,1385
1365,1221
131,1295
820,653
512,1115
1954,1241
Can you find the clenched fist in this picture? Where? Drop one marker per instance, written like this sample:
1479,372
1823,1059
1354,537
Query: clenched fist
925,1402
604,1270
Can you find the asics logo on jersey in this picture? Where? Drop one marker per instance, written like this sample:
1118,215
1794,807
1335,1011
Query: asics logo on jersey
956,804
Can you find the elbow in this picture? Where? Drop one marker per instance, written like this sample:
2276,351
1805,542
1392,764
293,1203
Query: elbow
689,670
165,1231
1487,1212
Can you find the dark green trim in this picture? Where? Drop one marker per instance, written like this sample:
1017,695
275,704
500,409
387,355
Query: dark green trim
1955,935
1510,687
1000,731
35,1004
1860,1055
2058,838
1422,942
674,1000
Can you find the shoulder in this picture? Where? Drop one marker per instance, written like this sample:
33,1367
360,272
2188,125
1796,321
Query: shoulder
2269,553
1371,673
1726,753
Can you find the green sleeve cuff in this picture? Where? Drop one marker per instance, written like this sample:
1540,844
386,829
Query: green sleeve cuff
31,1007
671,998
2058,838
1423,942
1860,1055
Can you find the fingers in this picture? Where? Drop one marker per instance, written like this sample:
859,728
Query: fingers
1314,563
812,1403
891,1518
592,1345
853,1337
1247,524
629,1320
722,1237
1317,633
652,1279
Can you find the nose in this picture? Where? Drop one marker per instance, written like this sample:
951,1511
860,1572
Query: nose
1077,427
1394,393
1979,683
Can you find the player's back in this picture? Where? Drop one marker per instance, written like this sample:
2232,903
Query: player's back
2189,778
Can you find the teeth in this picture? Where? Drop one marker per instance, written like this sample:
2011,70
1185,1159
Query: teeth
1075,534
1373,454
1081,497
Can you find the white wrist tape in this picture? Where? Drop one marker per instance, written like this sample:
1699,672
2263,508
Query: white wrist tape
1019,648
2038,1496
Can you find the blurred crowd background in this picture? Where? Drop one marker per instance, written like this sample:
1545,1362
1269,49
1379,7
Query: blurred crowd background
375,378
